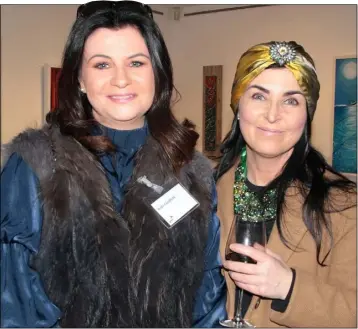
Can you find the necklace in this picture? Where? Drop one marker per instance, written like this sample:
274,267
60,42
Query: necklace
247,203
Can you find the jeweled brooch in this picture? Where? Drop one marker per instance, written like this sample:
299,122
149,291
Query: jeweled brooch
282,53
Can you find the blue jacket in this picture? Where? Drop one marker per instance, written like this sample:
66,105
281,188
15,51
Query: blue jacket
23,300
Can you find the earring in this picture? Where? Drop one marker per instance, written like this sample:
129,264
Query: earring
238,116
83,90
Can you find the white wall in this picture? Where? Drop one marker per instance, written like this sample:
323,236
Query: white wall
33,35
326,31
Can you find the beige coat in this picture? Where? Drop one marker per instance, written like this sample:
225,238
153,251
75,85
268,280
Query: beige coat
322,296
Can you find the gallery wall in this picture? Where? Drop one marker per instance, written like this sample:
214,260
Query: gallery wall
32,38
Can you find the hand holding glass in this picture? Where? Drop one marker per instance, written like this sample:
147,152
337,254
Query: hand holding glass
247,233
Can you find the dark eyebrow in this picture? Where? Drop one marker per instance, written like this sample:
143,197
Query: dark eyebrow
293,92
137,55
99,55
287,93
129,57
266,91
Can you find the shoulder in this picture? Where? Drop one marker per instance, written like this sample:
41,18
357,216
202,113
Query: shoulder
37,148
27,141
342,198
13,166
29,136
203,168
15,173
201,162
340,206
341,194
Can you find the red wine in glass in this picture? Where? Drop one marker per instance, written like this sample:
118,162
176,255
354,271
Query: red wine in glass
247,233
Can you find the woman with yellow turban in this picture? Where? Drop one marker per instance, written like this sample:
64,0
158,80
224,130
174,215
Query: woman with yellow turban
305,276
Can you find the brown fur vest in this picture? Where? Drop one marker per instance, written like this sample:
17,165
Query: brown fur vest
103,269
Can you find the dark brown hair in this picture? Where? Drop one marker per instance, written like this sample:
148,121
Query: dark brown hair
74,113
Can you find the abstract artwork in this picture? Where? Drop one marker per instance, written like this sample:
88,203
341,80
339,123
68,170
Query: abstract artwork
212,108
345,116
51,75
55,73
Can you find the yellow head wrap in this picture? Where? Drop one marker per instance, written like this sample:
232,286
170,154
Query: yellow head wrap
277,54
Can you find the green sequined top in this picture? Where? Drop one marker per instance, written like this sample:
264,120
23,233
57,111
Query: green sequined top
247,203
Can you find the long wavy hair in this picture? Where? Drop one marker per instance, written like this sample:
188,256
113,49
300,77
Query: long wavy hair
74,113
306,166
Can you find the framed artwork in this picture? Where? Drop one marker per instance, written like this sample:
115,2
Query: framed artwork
50,94
345,116
212,110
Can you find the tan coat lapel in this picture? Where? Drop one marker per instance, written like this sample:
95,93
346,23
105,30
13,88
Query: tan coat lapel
292,226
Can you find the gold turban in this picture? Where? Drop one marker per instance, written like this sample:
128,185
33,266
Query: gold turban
277,54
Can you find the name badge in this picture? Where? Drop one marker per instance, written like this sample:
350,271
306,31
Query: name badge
174,205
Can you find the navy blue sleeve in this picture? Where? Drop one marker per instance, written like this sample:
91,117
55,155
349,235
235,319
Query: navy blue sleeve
280,305
210,303
23,300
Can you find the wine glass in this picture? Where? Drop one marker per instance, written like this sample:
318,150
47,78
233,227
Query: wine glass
246,233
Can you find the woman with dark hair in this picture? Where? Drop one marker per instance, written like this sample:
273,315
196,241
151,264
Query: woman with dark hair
108,213
306,274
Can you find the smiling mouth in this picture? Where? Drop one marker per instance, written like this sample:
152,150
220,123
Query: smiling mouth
122,98
272,131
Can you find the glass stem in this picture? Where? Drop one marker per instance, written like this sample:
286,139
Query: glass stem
238,304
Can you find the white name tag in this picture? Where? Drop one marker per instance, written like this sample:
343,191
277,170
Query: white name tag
174,205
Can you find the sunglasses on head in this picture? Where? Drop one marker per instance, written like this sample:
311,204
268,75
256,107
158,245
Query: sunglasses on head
89,8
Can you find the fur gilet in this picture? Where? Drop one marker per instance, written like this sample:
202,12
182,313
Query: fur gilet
104,269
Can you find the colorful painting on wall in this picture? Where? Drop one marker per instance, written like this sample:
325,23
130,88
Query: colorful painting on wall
345,116
55,73
212,93
50,92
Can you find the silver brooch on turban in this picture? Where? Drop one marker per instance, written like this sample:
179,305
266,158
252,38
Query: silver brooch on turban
282,53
